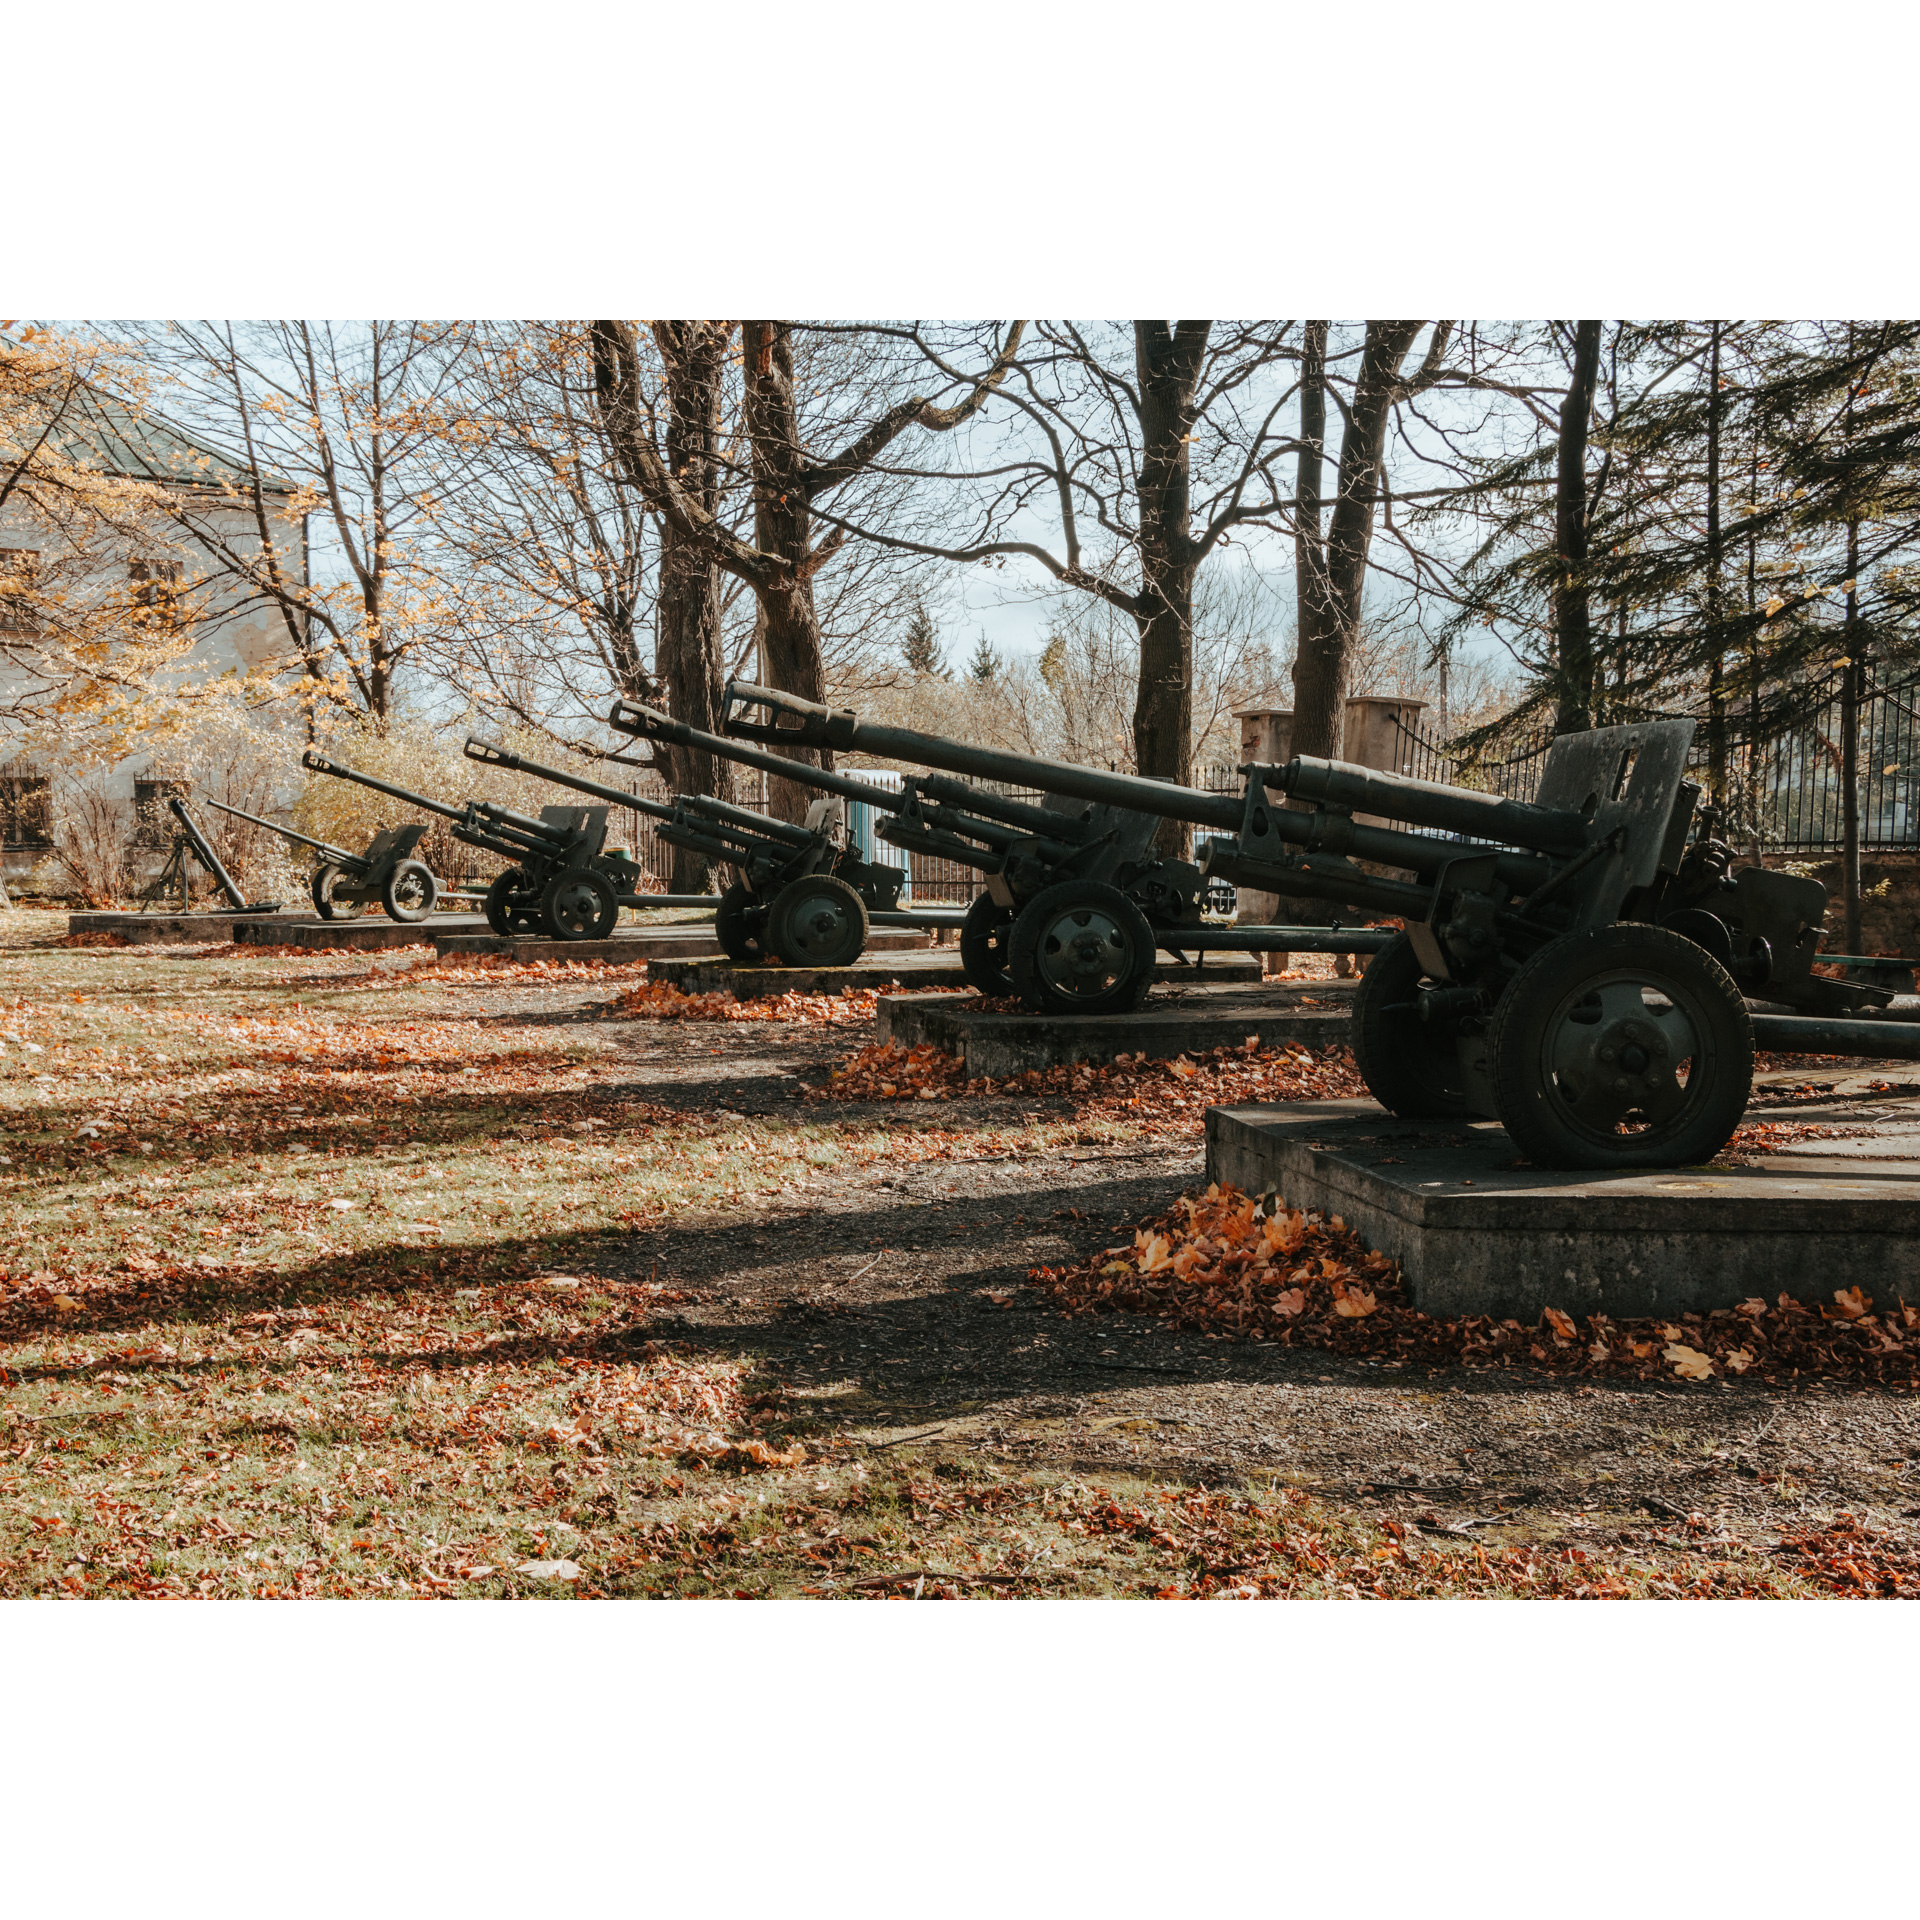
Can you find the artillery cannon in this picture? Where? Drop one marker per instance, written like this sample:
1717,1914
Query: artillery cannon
804,892
1576,966
344,883
1020,850
562,882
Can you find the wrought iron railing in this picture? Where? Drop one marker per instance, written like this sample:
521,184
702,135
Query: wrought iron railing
1780,780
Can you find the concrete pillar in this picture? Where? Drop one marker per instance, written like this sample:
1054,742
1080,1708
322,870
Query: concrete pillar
1266,739
1373,736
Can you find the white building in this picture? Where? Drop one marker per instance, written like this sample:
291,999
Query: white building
232,628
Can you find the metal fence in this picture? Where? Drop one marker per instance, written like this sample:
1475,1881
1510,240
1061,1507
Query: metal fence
1782,784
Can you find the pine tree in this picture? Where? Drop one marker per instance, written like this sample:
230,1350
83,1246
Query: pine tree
984,667
921,649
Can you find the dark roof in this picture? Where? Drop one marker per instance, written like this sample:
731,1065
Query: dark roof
143,446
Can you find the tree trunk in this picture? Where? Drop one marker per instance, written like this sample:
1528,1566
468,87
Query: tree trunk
687,622
1167,362
783,527
1572,625
1332,584
1716,665
1852,685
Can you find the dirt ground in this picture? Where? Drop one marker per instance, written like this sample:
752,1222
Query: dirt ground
605,1305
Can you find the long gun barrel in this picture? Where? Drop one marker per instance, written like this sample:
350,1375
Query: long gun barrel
481,818
1448,809
319,763
709,809
648,723
490,755
337,856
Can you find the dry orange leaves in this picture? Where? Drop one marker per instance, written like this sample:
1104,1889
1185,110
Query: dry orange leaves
1233,1265
1133,1087
656,1000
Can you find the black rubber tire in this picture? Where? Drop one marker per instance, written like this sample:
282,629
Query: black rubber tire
817,921
1114,972
579,904
985,939
1574,1038
740,925
511,906
324,904
1411,1066
410,893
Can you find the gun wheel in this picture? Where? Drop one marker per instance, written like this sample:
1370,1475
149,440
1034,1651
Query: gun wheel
740,925
817,921
985,939
410,893
1411,1066
325,901
580,904
512,906
1621,1046
1081,947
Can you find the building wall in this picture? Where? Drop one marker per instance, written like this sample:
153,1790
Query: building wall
235,635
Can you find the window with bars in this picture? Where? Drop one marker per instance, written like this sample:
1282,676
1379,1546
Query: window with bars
155,589
18,568
152,823
26,812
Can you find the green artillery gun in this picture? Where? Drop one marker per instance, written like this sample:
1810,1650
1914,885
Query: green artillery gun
1576,966
803,892
1013,843
345,884
563,881
798,898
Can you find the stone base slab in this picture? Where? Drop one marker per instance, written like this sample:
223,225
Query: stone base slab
1190,1020
305,929
1475,1232
931,967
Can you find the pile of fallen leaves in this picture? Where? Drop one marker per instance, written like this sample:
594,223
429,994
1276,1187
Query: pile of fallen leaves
1848,1557
1756,1137
1180,1089
1234,1266
93,940
495,967
895,1072
659,1001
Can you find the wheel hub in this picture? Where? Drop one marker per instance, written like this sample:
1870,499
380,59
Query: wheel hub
819,922
1616,1051
1084,952
576,906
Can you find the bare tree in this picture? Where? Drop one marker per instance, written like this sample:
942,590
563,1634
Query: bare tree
1331,559
350,414
789,483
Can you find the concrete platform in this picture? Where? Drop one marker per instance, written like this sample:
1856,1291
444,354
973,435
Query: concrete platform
927,967
1475,1233
630,946
369,935
293,929
1186,1020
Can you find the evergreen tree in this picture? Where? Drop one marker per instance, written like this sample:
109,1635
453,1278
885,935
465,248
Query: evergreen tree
921,649
984,667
